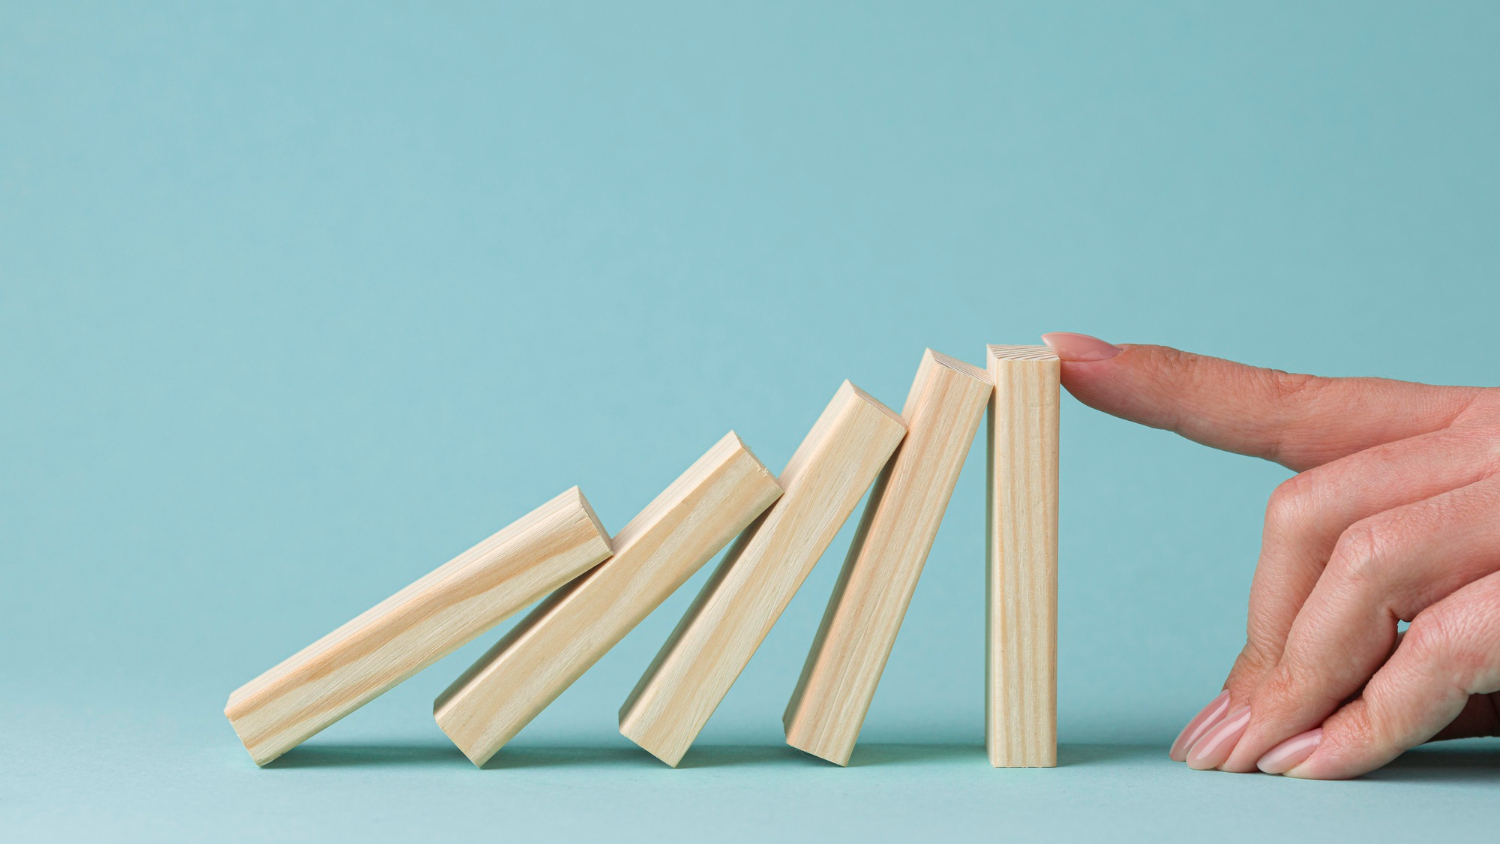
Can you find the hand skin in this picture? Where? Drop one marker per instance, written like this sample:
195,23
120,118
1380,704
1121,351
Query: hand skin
1394,515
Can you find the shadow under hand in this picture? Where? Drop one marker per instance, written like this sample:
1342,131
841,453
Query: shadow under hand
1097,754
347,755
1068,755
1468,760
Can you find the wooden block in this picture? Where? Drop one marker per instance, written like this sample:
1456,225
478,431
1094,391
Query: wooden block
563,637
759,574
1021,575
417,626
942,414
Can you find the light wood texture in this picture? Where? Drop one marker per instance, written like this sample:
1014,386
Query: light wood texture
563,637
900,522
759,574
1021,575
417,626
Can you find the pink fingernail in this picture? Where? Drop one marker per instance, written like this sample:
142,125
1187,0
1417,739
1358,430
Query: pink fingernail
1216,744
1206,718
1080,348
1290,753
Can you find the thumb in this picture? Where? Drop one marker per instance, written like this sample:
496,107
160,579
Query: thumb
1299,421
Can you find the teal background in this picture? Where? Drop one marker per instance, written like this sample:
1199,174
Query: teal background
298,301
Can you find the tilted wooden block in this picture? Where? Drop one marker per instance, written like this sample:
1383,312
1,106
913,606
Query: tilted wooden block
1021,575
563,637
900,522
417,626
759,574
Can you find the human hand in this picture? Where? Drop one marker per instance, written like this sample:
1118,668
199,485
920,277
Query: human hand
1394,515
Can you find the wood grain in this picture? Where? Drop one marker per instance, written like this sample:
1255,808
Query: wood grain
1021,575
825,478
689,522
417,626
875,586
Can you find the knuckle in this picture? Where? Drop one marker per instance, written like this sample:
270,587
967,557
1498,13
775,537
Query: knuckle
1286,390
1283,685
1290,385
1482,407
1293,505
1426,638
1441,642
1186,367
1356,725
1363,554
1253,660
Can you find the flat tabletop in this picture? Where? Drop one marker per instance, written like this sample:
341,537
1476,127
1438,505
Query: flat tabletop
147,775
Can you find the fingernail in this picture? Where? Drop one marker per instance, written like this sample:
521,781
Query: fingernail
1216,744
1079,347
1206,718
1290,753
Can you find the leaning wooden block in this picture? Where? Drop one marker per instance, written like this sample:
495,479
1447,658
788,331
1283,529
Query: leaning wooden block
759,574
563,637
1021,575
417,626
880,573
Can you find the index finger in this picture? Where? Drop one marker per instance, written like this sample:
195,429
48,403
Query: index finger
1299,421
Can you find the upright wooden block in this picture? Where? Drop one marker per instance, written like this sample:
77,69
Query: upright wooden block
880,573
1021,575
563,637
759,574
417,626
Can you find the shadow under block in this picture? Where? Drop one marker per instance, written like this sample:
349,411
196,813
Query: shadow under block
730,617
562,638
1020,699
900,522
417,626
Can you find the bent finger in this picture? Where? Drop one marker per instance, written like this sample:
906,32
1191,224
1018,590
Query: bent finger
1385,569
1304,519
1309,512
1450,654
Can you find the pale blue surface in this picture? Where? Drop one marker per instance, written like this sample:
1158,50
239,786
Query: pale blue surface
296,304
